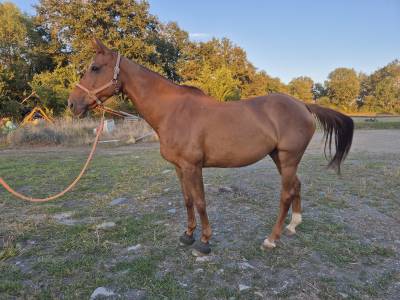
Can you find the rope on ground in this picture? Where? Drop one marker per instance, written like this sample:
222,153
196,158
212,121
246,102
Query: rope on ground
85,166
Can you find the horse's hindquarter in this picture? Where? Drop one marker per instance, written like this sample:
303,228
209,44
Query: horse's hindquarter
294,123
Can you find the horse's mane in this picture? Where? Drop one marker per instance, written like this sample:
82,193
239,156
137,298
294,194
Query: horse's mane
193,89
190,88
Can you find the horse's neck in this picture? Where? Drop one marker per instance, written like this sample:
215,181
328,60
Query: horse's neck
150,92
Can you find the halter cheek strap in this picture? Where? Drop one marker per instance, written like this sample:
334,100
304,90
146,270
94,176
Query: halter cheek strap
114,81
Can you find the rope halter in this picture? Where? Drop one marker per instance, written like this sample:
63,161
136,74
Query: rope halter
114,81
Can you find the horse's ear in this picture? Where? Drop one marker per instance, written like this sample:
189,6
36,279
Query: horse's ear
98,46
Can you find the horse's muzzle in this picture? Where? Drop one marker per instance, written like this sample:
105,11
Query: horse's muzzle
78,110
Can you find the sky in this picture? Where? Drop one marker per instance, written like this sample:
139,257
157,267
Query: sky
291,38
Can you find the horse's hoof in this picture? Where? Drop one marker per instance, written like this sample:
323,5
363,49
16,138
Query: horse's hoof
290,231
267,244
186,240
201,249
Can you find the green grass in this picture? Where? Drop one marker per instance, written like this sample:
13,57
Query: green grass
142,273
333,243
377,125
9,250
10,279
381,282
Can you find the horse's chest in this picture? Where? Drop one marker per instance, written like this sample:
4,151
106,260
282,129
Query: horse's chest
178,148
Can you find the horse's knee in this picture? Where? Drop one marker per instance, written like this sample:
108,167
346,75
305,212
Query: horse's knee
188,203
201,207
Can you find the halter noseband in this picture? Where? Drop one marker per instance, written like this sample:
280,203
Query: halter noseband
114,81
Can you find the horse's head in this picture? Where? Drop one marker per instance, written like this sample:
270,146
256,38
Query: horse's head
99,82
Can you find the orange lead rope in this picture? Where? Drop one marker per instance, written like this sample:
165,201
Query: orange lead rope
30,199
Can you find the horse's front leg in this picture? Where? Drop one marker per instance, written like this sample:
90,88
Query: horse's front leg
187,238
192,181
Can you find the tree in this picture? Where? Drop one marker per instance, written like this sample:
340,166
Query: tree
275,85
301,88
54,87
380,91
218,53
14,66
387,94
125,25
20,57
343,88
256,86
170,44
219,84
319,91
8,105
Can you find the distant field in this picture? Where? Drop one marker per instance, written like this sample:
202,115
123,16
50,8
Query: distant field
348,246
371,122
387,119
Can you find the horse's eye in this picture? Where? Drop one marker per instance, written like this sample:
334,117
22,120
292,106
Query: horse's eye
95,68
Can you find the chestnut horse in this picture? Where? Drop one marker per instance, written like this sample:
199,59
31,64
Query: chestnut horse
196,131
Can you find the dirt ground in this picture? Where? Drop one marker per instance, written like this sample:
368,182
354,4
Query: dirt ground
119,228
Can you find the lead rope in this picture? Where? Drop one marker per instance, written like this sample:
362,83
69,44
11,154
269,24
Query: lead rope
85,166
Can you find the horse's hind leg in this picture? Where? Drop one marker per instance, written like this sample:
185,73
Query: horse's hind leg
296,202
296,208
287,165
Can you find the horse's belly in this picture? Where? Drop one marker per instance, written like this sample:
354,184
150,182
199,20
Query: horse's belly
231,152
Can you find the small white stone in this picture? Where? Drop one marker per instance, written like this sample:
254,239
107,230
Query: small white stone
172,210
166,190
62,216
105,225
203,258
118,201
243,287
182,284
225,189
199,270
259,294
67,222
134,248
245,265
166,171
101,291
169,203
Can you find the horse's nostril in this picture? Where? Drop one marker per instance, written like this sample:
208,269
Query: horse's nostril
70,105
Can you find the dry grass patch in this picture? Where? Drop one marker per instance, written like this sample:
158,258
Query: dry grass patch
74,132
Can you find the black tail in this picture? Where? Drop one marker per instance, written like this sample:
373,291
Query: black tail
342,126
